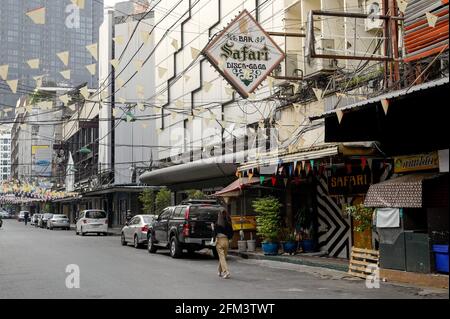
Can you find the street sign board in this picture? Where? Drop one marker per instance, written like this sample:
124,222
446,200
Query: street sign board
244,54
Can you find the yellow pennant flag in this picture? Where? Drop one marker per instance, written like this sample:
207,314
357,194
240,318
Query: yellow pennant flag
122,100
270,81
243,26
296,86
402,4
120,83
175,44
13,85
33,63
64,57
4,71
161,72
138,64
72,107
207,86
251,96
119,40
64,98
93,50
141,107
174,115
432,19
144,125
187,78
190,118
229,91
65,74
385,104
145,36
92,68
179,103
115,112
79,3
297,107
84,92
37,15
339,115
195,53
115,63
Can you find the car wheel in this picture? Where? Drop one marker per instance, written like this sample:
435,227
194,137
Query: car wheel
175,249
136,242
150,246
122,240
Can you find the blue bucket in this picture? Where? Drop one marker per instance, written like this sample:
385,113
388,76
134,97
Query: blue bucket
441,258
270,249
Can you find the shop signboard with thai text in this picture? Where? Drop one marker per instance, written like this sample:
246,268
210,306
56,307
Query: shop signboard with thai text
413,163
244,54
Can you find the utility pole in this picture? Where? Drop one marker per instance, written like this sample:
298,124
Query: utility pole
394,66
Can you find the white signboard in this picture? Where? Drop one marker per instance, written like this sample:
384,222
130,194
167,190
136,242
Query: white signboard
244,54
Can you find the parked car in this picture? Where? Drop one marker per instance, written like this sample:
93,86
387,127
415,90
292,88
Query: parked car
39,220
44,219
92,221
5,215
58,221
34,219
135,231
186,226
21,216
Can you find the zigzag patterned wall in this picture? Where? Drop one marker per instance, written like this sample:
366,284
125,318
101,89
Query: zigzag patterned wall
334,230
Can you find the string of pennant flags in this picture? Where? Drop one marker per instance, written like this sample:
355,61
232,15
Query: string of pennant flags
14,192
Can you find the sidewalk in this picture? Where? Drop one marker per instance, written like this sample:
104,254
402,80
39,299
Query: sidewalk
112,231
307,259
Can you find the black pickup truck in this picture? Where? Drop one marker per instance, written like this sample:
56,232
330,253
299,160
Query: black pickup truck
186,226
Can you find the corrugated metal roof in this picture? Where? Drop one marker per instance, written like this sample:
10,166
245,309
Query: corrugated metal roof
386,96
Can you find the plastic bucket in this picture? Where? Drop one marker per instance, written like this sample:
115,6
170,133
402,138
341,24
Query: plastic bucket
270,248
251,245
308,246
441,257
242,245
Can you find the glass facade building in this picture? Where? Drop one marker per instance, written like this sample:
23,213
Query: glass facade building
67,28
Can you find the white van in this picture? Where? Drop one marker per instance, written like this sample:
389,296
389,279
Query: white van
92,221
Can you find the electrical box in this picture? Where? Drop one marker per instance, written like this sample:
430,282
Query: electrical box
373,8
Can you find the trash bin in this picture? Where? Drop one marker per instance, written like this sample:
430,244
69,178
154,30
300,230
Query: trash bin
441,257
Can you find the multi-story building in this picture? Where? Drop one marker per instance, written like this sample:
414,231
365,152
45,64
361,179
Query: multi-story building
67,28
5,154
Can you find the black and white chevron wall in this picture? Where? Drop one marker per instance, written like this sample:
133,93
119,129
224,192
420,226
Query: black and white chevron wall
334,229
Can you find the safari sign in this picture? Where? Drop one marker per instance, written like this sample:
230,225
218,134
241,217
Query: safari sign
244,54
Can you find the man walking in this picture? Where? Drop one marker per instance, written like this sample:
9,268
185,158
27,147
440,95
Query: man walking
25,217
224,232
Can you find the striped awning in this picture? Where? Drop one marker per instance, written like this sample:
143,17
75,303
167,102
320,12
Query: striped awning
401,192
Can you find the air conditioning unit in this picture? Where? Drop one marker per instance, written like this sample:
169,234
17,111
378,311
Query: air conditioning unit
317,64
373,8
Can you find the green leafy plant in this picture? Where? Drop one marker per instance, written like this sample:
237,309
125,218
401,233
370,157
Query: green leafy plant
196,194
363,215
268,221
163,199
147,199
289,235
304,223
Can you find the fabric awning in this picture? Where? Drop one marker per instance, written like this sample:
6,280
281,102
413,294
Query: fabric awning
401,192
234,188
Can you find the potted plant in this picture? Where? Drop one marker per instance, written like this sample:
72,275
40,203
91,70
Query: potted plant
362,215
305,228
268,223
290,244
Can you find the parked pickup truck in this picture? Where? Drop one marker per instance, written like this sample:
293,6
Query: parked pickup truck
186,226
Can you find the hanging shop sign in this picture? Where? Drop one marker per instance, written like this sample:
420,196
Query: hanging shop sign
349,181
421,162
244,54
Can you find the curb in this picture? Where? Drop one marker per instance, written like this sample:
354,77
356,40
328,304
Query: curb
297,261
110,233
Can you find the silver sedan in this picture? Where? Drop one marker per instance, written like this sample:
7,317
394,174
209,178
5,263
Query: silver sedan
135,231
58,221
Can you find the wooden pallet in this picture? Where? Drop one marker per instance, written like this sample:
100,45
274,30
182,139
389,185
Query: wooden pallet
363,262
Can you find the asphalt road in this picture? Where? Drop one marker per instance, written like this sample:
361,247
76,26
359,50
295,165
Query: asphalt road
33,265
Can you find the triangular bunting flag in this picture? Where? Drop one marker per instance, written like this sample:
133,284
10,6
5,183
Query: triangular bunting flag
72,107
402,4
432,19
385,104
187,78
78,3
318,93
285,180
297,107
65,74
141,107
274,180
13,85
261,179
64,98
84,92
296,86
145,36
64,57
92,68
115,112
144,125
115,63
175,44
207,86
339,115
120,83
161,72
37,15
195,53
38,80
250,175
33,63
270,81
243,26
179,103
138,64
229,91
119,40
4,71
93,50
363,162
